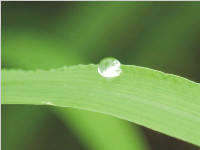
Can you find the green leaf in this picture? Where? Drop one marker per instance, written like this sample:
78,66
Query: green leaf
117,130
101,132
162,102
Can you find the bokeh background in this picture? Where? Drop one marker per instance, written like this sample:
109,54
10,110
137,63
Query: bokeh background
45,35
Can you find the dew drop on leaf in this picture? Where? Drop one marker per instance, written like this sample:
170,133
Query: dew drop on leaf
109,67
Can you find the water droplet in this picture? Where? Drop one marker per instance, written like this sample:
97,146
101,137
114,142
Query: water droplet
47,103
109,67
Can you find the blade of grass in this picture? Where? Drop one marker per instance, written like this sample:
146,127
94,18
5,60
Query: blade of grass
36,54
102,132
162,102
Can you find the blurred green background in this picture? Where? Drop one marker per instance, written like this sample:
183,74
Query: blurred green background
45,35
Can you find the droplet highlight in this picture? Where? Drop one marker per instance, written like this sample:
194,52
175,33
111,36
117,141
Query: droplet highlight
109,67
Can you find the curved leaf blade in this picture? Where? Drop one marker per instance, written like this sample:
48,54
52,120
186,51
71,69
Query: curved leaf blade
162,102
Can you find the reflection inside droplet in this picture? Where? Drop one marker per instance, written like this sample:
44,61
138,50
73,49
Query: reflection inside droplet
109,67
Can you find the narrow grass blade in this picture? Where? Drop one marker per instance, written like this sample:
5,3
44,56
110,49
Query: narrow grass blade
163,102
20,58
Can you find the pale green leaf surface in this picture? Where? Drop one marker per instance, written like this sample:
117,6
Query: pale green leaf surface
17,56
162,102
